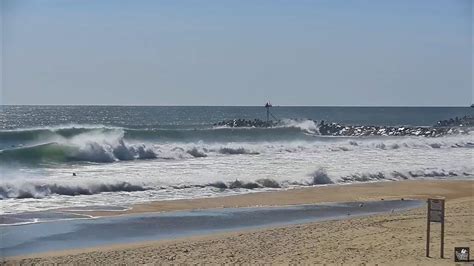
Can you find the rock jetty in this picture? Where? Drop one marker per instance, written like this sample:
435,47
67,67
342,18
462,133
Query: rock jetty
444,127
334,129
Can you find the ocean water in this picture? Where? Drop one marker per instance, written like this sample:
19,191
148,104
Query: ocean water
123,155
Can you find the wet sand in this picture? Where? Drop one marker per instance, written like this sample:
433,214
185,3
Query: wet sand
394,238
76,233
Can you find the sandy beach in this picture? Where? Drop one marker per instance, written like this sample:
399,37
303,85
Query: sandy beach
394,238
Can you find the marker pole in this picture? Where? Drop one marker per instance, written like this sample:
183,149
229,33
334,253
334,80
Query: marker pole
428,230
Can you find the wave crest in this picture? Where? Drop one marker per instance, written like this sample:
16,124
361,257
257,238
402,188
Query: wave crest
29,190
90,147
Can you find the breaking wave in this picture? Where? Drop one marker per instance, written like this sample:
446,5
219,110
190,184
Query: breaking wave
226,150
111,146
31,190
308,126
13,138
91,151
21,189
320,177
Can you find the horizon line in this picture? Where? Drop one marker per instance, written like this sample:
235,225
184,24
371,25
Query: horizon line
281,105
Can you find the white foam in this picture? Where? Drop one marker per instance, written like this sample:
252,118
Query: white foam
289,162
308,126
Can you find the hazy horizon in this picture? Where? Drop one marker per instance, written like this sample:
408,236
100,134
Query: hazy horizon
262,105
237,53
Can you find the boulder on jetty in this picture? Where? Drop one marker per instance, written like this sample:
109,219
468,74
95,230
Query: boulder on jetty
465,121
246,123
442,128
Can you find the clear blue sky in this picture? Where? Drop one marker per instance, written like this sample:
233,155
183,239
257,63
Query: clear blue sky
185,52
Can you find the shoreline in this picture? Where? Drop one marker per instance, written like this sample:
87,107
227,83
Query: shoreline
408,189
460,206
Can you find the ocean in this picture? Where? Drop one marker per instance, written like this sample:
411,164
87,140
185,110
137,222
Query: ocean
79,156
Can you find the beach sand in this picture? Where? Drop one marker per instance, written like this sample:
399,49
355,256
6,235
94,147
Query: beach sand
394,238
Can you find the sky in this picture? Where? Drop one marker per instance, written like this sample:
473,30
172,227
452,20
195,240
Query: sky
237,52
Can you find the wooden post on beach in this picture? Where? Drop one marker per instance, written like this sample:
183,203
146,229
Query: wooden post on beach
442,230
436,215
428,230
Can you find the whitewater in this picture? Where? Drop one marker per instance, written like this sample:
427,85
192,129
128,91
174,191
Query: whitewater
120,165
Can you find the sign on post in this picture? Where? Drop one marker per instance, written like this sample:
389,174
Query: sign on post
461,254
435,215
